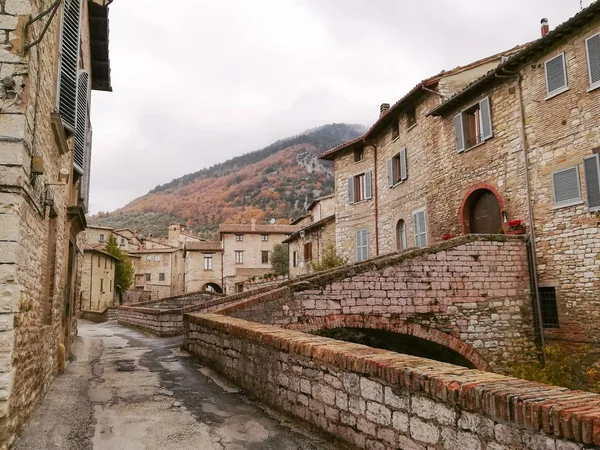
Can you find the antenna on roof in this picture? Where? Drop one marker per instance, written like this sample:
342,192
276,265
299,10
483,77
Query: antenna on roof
272,221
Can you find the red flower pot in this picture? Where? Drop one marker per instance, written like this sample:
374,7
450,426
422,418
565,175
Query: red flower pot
517,231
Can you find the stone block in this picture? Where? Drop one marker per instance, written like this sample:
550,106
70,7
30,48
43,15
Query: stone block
507,435
400,421
477,424
401,401
378,413
424,431
460,440
371,390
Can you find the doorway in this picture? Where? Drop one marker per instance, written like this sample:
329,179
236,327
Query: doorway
482,213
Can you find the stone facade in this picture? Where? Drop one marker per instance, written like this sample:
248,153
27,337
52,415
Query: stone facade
203,266
161,270
97,280
41,208
249,241
375,399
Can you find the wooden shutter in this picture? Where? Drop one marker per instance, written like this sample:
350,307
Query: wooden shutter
359,245
420,229
591,167
87,167
403,172
351,190
69,63
390,170
368,187
592,45
556,74
485,117
81,122
365,245
567,190
459,133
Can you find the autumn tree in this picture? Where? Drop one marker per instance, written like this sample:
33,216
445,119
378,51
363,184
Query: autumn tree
124,272
279,259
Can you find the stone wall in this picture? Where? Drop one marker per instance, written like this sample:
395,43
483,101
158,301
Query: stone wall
196,277
321,237
375,399
97,281
473,289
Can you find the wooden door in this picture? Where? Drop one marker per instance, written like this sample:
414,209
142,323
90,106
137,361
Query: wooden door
485,217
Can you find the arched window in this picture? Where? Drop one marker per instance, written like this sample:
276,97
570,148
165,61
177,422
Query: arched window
401,235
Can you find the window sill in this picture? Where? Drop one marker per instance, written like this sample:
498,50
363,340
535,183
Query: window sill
398,183
361,201
594,87
567,205
475,146
208,270
395,139
411,127
358,162
554,94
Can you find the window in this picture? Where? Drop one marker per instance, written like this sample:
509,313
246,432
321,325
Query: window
395,130
359,154
362,245
264,237
411,117
148,258
307,251
473,125
239,288
148,277
208,260
264,257
295,258
549,307
556,75
122,241
401,235
106,263
239,237
591,168
99,261
157,258
420,229
81,150
102,238
567,191
161,277
69,63
397,168
359,187
101,285
239,257
592,47
110,285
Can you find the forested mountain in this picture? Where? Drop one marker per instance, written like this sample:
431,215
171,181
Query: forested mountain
277,181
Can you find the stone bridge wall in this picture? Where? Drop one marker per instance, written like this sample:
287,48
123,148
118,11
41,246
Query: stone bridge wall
381,400
471,294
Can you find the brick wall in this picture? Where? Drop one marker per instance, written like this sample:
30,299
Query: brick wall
474,289
376,399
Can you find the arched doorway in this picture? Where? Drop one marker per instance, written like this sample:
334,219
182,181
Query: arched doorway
482,213
212,287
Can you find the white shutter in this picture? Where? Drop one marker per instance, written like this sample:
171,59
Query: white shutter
368,187
365,245
556,75
359,245
69,63
592,45
485,117
403,172
417,233
390,170
420,229
591,167
82,119
351,190
567,190
459,133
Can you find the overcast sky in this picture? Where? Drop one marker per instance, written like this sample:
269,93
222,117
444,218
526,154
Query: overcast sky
199,81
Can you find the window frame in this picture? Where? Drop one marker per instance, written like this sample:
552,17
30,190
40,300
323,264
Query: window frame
566,204
264,238
359,155
208,261
239,256
367,187
239,237
401,236
411,117
395,166
148,277
295,258
415,226
149,258
554,323
395,130
562,89
308,250
587,189
481,138
262,257
157,258
161,276
596,84
364,247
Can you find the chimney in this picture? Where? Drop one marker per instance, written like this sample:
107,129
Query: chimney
383,109
545,27
253,226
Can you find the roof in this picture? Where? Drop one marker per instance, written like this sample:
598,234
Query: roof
154,250
262,229
214,246
405,101
99,32
98,227
299,219
96,249
516,61
318,199
312,226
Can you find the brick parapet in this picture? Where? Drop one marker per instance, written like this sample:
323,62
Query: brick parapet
379,399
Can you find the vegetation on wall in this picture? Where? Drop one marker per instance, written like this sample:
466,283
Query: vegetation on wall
124,272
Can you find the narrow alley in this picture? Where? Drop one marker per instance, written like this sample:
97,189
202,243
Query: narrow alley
126,390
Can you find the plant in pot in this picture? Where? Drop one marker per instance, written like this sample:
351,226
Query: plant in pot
515,227
447,236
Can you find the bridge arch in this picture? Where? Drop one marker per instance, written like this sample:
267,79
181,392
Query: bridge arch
212,287
397,326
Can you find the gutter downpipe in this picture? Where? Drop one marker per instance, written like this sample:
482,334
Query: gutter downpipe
375,200
533,263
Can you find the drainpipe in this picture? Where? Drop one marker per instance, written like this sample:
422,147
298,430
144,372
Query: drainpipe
91,276
375,201
532,248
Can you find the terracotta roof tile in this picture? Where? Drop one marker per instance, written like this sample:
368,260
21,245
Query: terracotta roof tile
266,229
204,245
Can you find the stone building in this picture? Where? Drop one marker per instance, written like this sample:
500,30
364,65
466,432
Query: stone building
160,270
520,142
306,245
97,280
48,64
247,251
203,266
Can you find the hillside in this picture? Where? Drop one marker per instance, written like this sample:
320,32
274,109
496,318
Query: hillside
277,181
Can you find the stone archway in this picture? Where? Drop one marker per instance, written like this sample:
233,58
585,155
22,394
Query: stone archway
212,287
401,327
481,211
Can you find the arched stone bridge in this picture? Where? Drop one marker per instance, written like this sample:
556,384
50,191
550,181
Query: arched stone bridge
470,295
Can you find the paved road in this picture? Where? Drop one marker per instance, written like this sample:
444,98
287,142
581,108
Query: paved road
128,391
